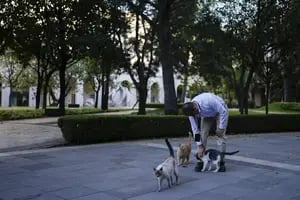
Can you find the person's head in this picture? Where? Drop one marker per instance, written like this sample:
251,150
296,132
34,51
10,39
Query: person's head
189,108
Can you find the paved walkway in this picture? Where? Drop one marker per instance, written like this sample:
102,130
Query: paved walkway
27,134
268,166
16,135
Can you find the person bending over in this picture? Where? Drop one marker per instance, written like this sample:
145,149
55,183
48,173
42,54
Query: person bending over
205,110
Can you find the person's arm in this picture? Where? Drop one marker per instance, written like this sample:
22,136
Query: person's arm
195,129
223,112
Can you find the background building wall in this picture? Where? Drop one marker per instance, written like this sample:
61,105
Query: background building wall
5,96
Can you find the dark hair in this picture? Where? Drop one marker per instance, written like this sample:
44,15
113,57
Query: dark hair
188,108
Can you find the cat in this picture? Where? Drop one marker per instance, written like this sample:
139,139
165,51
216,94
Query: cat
184,151
213,156
167,169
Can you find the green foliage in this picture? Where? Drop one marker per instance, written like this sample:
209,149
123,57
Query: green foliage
76,111
263,123
20,113
91,128
11,69
225,38
196,88
91,75
126,84
27,113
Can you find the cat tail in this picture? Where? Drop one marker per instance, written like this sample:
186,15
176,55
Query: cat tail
230,153
170,148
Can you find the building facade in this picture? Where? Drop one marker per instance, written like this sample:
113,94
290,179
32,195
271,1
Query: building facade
119,96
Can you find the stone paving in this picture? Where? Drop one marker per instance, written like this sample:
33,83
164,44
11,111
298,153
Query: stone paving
34,133
29,134
268,166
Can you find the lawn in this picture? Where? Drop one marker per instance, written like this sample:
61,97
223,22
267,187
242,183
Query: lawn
274,108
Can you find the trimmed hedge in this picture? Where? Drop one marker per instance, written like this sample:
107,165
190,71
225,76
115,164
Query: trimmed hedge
263,123
73,105
14,113
53,112
86,110
97,128
93,129
20,113
161,105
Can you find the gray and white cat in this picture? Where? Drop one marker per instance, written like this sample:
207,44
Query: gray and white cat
214,157
167,169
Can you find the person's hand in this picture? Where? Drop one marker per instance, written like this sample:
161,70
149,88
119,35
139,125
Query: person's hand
200,151
220,131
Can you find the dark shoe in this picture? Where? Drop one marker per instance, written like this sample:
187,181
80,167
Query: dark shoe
199,166
222,167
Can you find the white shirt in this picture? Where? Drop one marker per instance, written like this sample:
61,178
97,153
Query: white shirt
210,105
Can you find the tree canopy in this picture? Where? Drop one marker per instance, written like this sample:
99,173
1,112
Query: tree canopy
233,47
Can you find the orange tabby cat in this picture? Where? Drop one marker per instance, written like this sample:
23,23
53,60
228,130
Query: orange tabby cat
184,151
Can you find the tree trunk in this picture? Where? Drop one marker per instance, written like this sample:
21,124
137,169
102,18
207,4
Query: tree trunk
241,100
45,92
38,92
247,85
185,83
289,86
267,95
97,96
246,105
62,59
10,96
105,89
142,99
52,95
62,85
103,92
164,38
40,76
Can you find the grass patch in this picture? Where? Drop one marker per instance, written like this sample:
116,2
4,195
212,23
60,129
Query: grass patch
232,112
283,107
274,108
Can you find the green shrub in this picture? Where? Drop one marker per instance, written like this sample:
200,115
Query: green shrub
263,123
71,111
53,112
91,128
76,111
96,128
13,113
20,113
